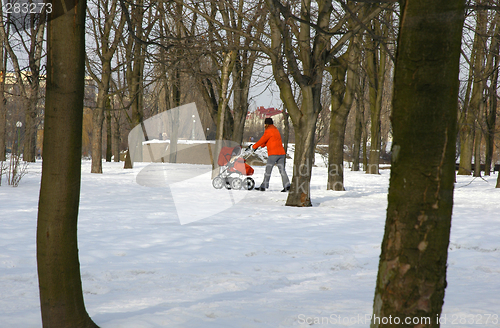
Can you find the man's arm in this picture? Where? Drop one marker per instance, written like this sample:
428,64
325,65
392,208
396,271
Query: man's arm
263,140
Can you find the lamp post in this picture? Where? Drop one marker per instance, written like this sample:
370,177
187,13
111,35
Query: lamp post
192,132
19,124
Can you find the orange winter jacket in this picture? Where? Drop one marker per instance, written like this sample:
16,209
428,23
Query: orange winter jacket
272,140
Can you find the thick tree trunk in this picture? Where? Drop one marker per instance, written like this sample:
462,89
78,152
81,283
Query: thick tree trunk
240,111
336,151
412,269
341,105
338,121
61,296
302,163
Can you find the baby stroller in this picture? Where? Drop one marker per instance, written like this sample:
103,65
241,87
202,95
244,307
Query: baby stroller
233,168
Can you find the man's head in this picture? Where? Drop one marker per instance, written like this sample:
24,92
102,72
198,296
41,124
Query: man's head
268,121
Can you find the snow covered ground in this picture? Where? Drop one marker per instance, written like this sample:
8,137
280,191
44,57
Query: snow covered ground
256,263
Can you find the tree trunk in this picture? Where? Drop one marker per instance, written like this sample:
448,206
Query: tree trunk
358,131
175,98
471,110
302,163
341,104
376,64
116,136
97,122
365,149
286,131
29,148
491,112
412,269
240,111
135,77
61,296
477,144
338,121
109,133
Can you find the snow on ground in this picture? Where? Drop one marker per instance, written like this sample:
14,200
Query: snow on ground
256,263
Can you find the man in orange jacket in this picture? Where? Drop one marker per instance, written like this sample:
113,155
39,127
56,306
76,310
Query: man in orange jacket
276,154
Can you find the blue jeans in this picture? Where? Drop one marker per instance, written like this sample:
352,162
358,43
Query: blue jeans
279,161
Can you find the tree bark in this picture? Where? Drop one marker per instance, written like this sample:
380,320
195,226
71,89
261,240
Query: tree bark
358,130
97,122
412,269
341,104
31,126
60,285
302,162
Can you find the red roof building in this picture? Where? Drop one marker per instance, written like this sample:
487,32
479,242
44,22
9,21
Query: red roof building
262,112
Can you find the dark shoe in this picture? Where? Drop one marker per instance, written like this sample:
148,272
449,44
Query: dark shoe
260,188
287,188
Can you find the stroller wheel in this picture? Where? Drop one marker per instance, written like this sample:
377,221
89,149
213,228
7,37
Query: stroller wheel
217,183
248,183
236,183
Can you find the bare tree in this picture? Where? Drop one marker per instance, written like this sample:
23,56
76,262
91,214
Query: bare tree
412,269
31,38
376,64
359,124
300,48
141,20
107,34
492,65
473,102
341,102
